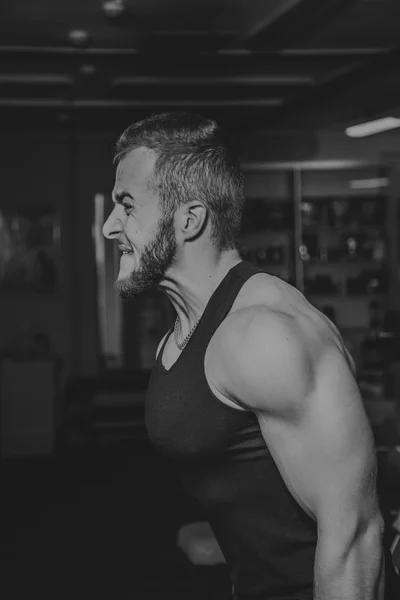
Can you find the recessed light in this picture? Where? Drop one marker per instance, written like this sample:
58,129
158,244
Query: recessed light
114,8
87,69
79,37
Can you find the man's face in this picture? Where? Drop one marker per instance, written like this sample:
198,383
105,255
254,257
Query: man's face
139,227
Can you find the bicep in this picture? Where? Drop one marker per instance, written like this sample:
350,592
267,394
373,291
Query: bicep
326,455
311,416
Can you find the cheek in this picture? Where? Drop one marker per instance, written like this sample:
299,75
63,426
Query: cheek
133,231
141,229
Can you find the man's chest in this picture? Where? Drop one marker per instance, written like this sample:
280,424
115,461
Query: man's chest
211,363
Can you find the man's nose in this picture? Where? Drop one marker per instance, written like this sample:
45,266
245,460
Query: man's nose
112,227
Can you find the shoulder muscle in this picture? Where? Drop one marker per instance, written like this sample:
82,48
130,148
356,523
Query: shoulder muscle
266,359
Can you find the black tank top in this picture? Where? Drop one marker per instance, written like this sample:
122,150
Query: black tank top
224,463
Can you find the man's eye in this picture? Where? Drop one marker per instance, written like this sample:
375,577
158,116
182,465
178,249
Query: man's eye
127,207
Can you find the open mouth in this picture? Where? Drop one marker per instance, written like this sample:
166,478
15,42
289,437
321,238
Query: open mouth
125,250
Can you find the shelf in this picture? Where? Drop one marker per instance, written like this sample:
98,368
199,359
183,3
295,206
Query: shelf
351,330
343,230
273,267
345,263
267,231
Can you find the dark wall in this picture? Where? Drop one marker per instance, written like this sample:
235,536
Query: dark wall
62,170
35,170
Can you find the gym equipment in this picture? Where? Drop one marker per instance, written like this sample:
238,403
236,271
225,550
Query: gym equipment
198,543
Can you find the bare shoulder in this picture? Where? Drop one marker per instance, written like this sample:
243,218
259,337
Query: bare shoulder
272,350
270,306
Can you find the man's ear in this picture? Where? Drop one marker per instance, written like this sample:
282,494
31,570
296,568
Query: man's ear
192,219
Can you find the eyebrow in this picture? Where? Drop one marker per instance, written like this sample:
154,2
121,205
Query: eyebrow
119,196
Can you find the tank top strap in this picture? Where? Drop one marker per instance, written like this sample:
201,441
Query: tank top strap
217,308
166,338
224,296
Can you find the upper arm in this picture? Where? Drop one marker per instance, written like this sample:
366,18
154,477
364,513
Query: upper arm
313,420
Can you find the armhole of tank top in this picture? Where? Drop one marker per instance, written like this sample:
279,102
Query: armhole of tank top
163,342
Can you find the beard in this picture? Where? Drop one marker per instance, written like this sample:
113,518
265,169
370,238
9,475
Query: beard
155,260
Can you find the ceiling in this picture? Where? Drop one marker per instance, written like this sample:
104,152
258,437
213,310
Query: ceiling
249,63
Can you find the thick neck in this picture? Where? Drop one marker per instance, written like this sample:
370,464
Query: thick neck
190,291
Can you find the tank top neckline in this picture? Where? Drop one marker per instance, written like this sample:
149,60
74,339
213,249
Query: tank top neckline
199,325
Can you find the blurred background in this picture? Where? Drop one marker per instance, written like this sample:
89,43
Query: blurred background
309,90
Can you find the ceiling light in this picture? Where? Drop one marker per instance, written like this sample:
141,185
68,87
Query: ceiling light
35,79
373,127
114,8
212,80
369,184
87,69
79,38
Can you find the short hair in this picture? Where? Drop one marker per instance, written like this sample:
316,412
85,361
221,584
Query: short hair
195,161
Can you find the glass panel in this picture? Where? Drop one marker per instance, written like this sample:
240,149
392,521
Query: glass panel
344,247
266,237
270,184
348,182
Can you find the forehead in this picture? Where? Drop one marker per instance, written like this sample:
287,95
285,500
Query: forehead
135,169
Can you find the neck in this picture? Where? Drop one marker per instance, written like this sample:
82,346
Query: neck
190,286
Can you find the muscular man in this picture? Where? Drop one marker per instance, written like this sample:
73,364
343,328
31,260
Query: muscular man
253,395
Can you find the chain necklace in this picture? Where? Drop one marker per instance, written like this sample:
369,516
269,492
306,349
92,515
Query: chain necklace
181,345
